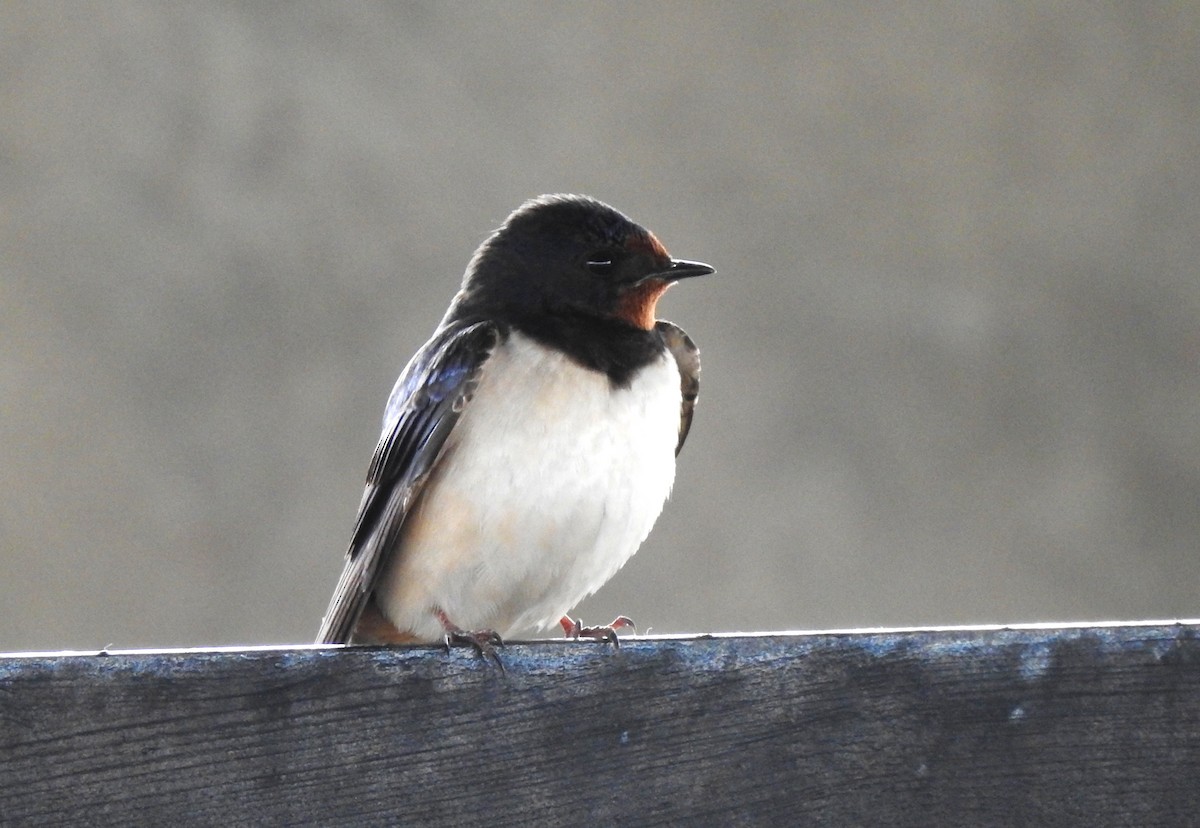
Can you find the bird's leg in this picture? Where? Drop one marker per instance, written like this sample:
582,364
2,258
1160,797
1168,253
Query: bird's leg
484,642
573,628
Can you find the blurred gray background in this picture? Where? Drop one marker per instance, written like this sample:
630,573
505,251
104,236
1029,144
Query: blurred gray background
950,359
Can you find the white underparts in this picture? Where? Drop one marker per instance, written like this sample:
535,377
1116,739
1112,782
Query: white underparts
550,481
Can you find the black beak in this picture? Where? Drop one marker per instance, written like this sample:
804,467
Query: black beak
683,269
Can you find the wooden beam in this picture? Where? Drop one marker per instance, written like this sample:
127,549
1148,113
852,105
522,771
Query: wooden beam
1090,726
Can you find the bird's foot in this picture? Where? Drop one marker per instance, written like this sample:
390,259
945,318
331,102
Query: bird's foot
484,642
573,628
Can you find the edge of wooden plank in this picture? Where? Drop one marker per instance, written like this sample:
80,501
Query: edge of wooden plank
1044,626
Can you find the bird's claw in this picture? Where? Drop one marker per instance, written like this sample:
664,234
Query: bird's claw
574,629
484,642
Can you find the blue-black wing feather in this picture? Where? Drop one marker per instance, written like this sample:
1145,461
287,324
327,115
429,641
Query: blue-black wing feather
687,357
426,403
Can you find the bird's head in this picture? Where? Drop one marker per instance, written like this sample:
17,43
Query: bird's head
571,254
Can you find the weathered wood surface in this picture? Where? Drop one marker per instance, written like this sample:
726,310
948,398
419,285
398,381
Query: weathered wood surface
1087,726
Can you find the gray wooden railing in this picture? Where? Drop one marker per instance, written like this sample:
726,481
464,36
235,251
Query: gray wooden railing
1085,725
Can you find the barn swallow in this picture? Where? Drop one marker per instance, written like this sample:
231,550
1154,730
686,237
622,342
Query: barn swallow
529,445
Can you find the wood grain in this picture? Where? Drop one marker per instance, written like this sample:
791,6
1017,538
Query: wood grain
1071,726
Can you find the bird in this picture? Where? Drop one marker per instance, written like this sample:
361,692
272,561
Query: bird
529,446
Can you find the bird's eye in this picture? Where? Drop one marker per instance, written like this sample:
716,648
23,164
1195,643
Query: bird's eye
600,265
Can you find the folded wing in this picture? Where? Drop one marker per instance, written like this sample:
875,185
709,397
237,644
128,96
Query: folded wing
429,397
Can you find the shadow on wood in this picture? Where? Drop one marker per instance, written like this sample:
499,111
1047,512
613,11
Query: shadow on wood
1080,725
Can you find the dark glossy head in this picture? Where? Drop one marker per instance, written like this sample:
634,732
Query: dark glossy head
572,254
